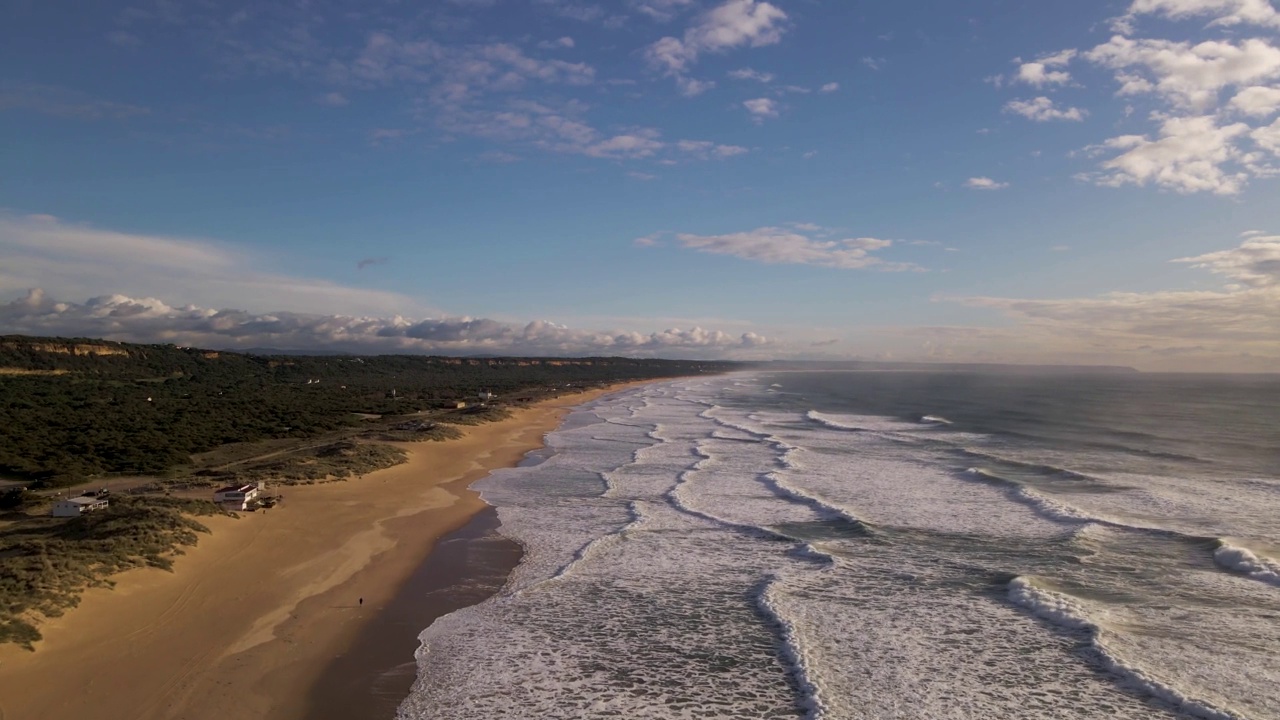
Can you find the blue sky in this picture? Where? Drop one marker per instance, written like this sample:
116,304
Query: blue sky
993,181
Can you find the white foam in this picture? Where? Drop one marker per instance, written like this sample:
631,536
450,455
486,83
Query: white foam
655,584
1243,560
1071,614
856,423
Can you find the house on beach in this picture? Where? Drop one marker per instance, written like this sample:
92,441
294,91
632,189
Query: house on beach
237,497
77,506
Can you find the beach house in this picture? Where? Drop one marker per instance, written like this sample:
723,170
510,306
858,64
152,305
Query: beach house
237,497
77,506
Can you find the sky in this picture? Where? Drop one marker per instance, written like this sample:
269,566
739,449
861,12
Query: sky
1085,182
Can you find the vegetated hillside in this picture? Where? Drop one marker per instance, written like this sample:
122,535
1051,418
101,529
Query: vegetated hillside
76,407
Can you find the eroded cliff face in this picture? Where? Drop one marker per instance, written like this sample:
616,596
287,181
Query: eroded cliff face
66,348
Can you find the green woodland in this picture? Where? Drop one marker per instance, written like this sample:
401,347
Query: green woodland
72,408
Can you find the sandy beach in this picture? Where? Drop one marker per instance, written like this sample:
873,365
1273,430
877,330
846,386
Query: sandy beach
250,619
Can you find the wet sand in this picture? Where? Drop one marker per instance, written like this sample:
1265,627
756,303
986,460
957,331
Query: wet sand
252,621
375,674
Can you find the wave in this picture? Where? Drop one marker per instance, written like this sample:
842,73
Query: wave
678,499
1243,560
935,420
585,552
1065,612
789,649
1052,471
1041,505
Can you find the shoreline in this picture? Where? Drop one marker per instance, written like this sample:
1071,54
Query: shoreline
376,673
250,620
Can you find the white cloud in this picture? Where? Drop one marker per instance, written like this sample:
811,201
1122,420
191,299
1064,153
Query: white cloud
1267,138
692,87
829,87
732,24
1257,101
637,145
984,183
1040,72
455,71
558,43
1188,156
1224,12
761,108
1042,109
873,62
749,74
1255,263
790,246
661,10
79,261
706,149
1233,328
1199,142
120,317
1183,74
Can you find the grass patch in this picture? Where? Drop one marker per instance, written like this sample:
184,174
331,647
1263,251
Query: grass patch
47,563
14,371
415,431
334,461
476,415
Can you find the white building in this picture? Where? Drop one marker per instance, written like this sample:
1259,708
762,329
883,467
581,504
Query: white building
77,506
238,497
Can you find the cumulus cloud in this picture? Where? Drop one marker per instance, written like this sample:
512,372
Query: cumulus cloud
1236,327
984,183
829,87
1222,12
1189,155
1257,101
147,319
1185,74
730,25
1045,71
792,246
1200,142
761,108
693,87
1042,109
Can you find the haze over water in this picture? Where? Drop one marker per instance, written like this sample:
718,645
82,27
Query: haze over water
876,545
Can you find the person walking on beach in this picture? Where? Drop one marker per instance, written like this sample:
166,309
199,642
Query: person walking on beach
362,602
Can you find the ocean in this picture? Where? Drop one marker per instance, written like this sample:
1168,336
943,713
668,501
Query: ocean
884,545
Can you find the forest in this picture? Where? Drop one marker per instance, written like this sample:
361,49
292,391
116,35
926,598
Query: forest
73,408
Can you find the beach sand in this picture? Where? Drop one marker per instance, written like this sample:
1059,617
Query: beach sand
268,604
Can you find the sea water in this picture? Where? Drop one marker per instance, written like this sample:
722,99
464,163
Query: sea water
885,545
